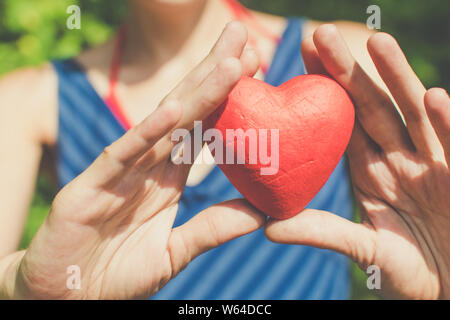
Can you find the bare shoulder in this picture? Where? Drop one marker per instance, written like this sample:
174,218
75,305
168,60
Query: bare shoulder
28,97
354,33
96,63
31,80
356,36
276,24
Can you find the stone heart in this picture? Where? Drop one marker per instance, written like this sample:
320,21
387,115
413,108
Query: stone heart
313,116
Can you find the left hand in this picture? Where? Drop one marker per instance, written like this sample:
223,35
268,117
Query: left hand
399,169
114,222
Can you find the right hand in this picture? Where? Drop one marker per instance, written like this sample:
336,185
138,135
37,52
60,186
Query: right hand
114,221
399,170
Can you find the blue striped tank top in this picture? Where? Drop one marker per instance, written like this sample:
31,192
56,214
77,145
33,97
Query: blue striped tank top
250,267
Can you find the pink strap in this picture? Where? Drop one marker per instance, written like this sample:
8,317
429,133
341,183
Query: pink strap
239,11
111,99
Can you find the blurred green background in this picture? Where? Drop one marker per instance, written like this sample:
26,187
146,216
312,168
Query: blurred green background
33,31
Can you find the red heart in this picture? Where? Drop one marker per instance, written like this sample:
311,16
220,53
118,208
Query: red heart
314,116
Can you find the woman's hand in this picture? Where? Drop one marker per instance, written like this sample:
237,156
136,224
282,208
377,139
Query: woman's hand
114,221
399,169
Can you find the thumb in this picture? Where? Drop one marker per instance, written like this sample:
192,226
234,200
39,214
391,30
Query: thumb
325,230
211,228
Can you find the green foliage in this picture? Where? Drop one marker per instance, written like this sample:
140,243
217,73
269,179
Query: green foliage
33,31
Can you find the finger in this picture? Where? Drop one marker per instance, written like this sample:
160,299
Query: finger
250,62
211,228
406,89
325,230
231,43
197,106
120,156
311,57
374,108
437,105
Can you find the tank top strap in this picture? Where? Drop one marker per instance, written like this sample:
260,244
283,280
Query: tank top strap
85,124
287,61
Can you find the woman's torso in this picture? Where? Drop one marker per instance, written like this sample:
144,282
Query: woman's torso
250,267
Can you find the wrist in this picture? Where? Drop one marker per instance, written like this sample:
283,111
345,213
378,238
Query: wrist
9,269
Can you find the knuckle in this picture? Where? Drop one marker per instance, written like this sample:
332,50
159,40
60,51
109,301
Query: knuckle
109,155
205,101
107,151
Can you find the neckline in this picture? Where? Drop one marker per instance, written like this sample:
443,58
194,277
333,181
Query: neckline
77,65
239,12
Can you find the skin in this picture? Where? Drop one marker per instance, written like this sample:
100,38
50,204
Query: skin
115,219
